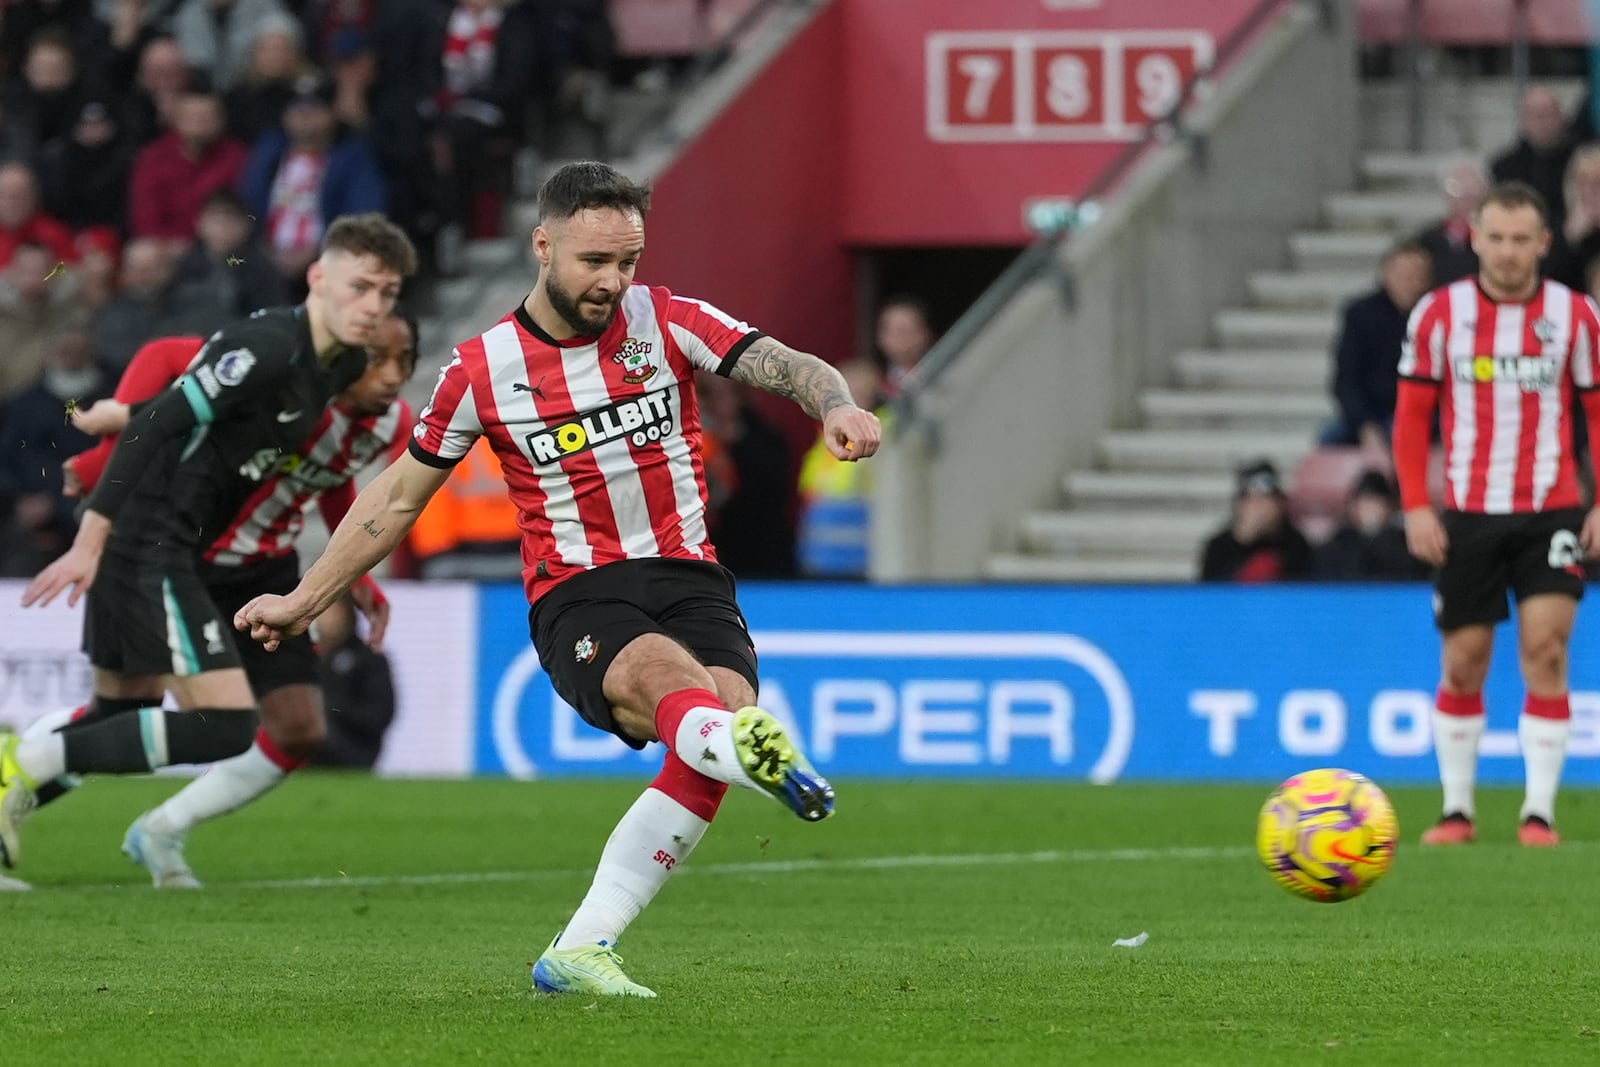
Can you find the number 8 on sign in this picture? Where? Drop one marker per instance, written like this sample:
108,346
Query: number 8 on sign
1069,88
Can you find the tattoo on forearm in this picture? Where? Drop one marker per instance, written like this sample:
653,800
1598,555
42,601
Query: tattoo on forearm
797,376
373,530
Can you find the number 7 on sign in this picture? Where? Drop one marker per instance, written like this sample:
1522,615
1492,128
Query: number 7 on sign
982,88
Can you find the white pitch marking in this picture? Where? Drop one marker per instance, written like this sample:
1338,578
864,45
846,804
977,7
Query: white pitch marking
749,869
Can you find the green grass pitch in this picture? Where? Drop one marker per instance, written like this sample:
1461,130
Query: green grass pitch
348,920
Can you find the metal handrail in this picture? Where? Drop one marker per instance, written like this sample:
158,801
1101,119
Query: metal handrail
1040,255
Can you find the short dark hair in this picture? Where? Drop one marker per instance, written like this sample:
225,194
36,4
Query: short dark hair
587,185
373,235
226,198
912,302
1512,195
403,312
1407,248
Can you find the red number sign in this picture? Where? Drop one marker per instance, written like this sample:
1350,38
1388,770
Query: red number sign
1057,86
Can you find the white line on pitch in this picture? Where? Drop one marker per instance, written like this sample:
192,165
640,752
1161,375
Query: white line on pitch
749,869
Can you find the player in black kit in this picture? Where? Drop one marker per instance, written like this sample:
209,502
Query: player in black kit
181,471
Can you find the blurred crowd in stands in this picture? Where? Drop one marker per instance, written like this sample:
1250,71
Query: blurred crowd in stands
169,165
1339,517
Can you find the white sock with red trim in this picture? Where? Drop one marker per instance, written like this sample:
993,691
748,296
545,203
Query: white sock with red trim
51,721
657,833
227,786
1543,729
1457,728
699,730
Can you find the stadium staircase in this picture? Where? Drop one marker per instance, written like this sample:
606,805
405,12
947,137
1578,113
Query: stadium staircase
1157,490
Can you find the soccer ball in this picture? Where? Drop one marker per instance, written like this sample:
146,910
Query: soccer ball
1327,835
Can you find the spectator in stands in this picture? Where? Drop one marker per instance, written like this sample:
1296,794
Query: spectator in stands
357,688
23,223
69,21
469,529
225,274
405,39
577,50
256,104
37,302
904,335
1540,155
752,527
1449,241
173,175
35,438
832,539
302,177
218,35
1371,544
1260,543
85,174
1368,351
489,61
161,81
1578,242
139,308
43,105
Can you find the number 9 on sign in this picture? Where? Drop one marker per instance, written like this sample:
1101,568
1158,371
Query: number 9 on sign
1155,80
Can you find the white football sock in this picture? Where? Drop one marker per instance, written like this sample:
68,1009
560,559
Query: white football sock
1544,750
1455,742
705,742
42,758
655,835
50,722
227,786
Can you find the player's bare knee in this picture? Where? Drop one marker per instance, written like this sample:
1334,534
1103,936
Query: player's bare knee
1466,662
293,719
1544,659
732,688
650,667
300,738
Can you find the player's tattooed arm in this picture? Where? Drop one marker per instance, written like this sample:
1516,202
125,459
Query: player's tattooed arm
798,376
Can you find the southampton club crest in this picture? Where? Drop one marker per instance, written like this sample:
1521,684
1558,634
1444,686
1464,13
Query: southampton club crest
637,366
585,650
1544,330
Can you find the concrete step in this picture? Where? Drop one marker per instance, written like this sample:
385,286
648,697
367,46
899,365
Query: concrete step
1254,328
495,254
1196,450
1339,249
1414,170
1168,407
1186,489
1294,368
1118,531
1017,567
1321,289
1400,211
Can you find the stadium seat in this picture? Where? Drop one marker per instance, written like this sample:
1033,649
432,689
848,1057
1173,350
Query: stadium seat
1320,488
1474,22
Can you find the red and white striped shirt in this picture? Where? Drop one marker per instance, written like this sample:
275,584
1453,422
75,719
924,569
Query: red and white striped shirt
1508,374
599,438
339,447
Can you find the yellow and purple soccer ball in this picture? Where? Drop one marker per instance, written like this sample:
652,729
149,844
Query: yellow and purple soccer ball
1327,835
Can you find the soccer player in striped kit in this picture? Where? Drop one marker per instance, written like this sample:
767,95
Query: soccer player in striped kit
586,394
1506,356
